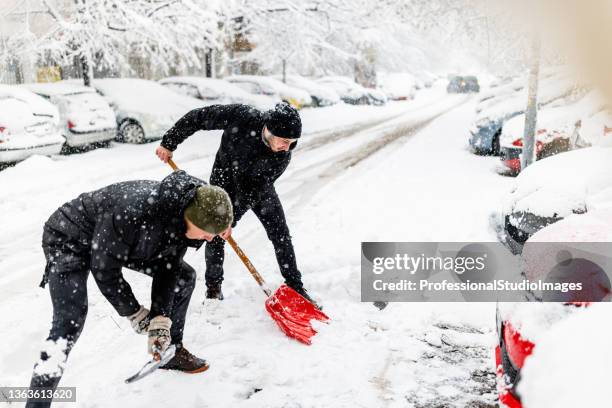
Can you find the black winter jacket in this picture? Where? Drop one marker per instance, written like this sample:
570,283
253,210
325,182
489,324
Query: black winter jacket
136,224
244,165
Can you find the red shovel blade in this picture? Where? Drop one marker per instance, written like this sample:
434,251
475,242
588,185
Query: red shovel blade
293,313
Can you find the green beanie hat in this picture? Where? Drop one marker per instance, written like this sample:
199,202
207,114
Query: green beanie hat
210,210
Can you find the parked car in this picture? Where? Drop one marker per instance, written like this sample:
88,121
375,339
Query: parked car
558,129
321,95
145,110
523,327
216,91
262,85
493,96
398,86
573,182
463,84
486,129
85,117
353,93
28,125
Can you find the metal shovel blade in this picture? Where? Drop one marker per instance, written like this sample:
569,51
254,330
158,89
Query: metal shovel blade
153,365
293,314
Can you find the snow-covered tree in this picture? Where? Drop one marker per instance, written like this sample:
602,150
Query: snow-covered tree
107,32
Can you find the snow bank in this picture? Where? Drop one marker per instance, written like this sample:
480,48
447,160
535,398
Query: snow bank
570,367
562,184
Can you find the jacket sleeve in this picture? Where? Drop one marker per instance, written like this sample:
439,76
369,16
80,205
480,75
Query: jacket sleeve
109,251
206,118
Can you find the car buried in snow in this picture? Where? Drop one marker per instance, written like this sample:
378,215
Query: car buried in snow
216,91
85,117
321,95
353,93
583,240
144,109
29,125
573,182
559,129
263,85
398,86
486,129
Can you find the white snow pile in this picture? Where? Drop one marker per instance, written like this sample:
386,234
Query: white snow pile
570,366
560,185
558,121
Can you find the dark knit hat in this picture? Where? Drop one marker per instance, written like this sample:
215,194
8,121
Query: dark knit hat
284,121
210,210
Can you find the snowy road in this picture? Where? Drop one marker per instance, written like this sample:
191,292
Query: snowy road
399,173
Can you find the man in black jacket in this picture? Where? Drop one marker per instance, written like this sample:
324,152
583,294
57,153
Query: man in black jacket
143,225
255,150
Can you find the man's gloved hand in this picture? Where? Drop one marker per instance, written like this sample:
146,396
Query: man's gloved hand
140,320
159,334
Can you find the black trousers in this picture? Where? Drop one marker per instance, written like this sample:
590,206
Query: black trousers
67,278
270,213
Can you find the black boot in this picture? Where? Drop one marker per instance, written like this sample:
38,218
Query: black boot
300,289
186,362
214,291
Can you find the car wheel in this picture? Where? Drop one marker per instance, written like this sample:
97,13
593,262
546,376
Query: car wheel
130,131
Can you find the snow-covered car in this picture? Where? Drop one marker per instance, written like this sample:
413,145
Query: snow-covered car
493,96
523,328
573,182
353,93
559,129
29,125
145,110
216,91
85,117
263,85
321,95
487,126
463,84
398,86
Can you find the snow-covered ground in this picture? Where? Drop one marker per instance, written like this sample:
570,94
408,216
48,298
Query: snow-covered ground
409,177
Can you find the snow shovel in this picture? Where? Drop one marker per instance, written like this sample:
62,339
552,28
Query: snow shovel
290,310
159,359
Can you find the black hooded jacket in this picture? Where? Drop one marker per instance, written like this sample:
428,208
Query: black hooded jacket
244,165
135,224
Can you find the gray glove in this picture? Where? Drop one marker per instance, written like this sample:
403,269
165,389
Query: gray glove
140,320
159,334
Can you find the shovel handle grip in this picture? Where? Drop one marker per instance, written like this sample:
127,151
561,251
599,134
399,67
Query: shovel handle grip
245,260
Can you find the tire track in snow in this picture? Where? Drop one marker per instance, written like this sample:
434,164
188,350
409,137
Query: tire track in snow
385,134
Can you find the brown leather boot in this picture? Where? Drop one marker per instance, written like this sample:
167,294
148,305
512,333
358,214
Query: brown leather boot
186,362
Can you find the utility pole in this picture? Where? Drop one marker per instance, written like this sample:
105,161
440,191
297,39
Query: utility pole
531,113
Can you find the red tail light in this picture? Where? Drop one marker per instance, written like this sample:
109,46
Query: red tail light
70,124
518,143
2,129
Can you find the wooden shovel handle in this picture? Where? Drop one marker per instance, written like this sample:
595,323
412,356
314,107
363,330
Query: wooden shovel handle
245,260
173,164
